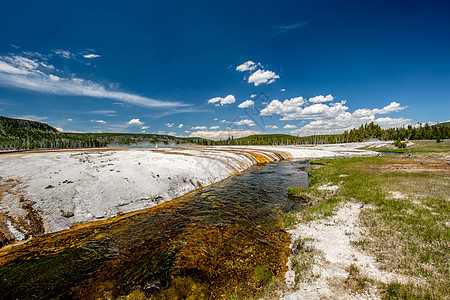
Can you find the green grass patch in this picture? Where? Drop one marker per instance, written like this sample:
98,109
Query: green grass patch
289,220
407,235
262,275
296,191
409,291
326,208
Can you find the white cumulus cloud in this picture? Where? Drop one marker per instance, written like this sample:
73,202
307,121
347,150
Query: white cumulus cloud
261,76
330,118
288,126
321,99
388,122
392,107
271,126
287,107
245,122
247,66
199,128
333,118
222,134
180,126
246,103
144,127
223,101
135,122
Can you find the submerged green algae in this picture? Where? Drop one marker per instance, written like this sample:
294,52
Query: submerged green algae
207,244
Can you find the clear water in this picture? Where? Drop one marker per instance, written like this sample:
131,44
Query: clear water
208,244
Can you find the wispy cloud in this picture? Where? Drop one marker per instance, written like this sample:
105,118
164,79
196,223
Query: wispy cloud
4,102
99,121
31,73
91,56
174,111
32,118
108,113
63,53
287,28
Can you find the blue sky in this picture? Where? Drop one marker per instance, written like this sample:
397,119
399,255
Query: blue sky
200,68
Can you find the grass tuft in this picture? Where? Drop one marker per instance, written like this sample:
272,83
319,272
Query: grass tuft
262,275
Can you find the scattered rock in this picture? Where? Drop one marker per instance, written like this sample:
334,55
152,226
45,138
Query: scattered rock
67,214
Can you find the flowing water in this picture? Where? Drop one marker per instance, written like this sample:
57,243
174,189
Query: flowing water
211,243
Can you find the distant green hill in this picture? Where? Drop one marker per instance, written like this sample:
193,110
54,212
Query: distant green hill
19,124
25,134
127,139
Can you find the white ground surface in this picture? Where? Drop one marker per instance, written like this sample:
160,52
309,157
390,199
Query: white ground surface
334,253
91,185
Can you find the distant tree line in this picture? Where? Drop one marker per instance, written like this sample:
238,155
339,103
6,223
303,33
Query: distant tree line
363,133
18,134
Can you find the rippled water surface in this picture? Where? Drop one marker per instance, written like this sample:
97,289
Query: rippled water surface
207,244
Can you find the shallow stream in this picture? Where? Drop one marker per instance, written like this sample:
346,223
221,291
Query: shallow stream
211,243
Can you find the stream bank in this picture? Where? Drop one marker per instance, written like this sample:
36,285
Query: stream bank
66,188
210,243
